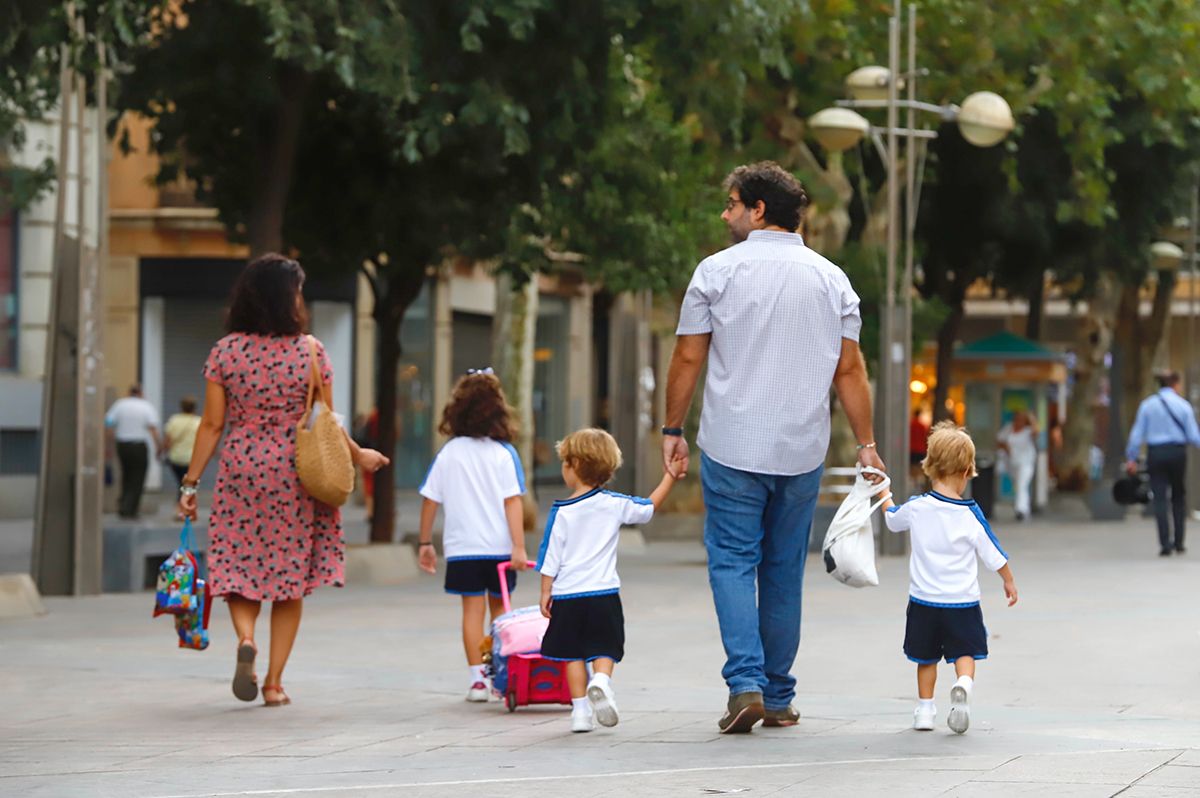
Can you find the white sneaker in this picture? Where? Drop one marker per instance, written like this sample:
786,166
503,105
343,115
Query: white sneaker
604,704
478,692
959,719
923,718
582,722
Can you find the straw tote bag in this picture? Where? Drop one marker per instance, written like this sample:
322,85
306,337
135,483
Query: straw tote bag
322,451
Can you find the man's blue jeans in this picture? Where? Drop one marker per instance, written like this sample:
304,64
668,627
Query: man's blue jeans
756,530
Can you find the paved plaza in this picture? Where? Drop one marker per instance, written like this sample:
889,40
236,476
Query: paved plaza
1091,691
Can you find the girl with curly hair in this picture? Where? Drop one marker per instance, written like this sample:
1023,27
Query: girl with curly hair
477,480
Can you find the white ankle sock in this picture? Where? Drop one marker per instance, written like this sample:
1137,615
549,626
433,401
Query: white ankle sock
966,682
926,705
580,705
602,678
475,673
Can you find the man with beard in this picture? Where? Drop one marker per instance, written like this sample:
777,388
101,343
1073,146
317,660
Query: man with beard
778,325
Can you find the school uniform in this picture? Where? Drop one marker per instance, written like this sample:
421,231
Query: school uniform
579,550
948,537
471,478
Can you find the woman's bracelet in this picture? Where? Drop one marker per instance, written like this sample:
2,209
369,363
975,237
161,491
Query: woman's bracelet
862,446
424,543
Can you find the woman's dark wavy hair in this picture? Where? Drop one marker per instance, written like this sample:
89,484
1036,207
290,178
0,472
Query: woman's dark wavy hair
478,409
266,298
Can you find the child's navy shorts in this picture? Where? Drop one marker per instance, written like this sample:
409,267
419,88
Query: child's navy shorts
586,628
934,633
475,577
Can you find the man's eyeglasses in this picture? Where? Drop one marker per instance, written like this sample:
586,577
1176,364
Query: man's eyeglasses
485,370
730,202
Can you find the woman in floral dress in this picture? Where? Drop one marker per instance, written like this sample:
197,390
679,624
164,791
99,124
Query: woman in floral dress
268,539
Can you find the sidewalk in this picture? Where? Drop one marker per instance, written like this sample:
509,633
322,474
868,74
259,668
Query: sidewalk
1090,691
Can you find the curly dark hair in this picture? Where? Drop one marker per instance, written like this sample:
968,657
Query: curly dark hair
781,193
266,298
478,409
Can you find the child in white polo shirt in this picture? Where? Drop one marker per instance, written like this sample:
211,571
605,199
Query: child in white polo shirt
477,479
947,533
578,563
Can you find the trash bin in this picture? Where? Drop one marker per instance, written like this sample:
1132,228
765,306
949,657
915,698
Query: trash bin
983,487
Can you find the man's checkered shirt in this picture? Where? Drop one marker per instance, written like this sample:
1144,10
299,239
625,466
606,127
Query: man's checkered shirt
778,313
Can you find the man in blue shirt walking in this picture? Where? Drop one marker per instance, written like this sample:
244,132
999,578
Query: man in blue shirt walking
1166,423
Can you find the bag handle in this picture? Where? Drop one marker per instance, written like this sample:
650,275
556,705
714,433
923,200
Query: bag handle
186,538
1178,423
314,378
187,542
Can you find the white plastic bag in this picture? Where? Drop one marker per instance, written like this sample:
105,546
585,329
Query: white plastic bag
849,548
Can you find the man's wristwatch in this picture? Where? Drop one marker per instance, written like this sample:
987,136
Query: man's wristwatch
188,487
674,431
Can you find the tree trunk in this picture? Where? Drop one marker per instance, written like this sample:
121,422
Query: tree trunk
514,327
277,144
1094,342
1037,303
946,338
1140,337
393,295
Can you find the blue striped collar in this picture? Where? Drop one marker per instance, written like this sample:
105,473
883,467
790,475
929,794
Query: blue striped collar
565,502
944,498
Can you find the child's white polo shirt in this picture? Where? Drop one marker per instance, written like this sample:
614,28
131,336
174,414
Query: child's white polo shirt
946,535
579,547
471,478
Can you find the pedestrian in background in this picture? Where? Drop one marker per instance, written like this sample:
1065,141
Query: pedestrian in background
1166,423
131,421
268,539
477,480
778,326
1018,438
918,435
180,437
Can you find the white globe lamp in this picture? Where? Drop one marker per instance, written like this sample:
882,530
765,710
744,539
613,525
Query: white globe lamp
869,83
985,119
838,129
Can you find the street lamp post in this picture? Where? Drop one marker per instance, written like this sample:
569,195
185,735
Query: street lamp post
984,119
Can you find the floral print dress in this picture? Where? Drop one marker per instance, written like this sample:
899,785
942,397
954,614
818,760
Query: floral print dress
268,539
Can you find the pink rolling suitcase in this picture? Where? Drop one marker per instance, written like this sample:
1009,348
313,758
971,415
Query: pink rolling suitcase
519,672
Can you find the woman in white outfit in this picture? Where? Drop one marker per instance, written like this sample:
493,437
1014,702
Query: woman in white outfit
1019,439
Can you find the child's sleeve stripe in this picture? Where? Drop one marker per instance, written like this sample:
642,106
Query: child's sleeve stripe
516,458
988,529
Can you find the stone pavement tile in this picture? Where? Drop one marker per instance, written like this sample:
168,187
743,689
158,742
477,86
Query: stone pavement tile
1173,775
1011,789
863,780
1159,792
1190,758
1107,767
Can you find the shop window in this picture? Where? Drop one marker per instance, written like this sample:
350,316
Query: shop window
550,385
415,414
20,452
8,292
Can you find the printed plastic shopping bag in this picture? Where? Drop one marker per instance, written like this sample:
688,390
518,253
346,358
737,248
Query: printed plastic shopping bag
849,548
183,592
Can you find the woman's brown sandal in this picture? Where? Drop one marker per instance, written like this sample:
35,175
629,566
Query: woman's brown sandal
279,702
245,682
